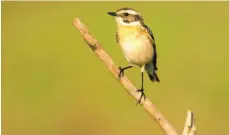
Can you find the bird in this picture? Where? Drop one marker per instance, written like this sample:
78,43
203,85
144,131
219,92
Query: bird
137,44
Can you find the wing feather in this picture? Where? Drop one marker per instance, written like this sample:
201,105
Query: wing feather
154,46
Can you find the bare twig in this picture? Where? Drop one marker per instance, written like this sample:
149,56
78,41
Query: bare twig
189,128
130,88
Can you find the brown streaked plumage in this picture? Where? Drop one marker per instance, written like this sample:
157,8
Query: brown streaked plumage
126,8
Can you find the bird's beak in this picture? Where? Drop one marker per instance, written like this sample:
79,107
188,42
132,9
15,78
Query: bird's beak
112,13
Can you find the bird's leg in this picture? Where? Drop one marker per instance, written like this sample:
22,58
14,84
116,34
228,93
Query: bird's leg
141,90
121,71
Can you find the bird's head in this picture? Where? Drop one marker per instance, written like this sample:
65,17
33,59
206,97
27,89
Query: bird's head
127,17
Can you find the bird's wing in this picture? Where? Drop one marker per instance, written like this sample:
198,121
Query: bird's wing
154,46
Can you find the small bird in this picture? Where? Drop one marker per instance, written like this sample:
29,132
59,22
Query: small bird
137,43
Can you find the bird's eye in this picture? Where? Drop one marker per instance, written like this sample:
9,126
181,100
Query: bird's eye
126,14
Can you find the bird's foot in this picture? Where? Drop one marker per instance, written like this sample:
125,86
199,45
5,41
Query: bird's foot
121,72
142,95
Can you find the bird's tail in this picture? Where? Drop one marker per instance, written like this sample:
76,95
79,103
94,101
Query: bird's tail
152,72
154,77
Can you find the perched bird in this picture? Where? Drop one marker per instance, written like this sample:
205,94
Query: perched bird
137,43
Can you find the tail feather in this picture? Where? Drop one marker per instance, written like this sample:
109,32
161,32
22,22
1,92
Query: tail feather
154,77
150,68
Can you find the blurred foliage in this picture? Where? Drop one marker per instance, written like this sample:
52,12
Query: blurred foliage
52,83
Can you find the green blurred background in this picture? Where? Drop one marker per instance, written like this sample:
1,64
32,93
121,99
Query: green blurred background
52,83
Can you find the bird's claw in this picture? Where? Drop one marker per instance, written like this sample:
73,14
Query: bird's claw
121,72
142,95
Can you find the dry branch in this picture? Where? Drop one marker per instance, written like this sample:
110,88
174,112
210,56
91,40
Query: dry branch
130,88
189,128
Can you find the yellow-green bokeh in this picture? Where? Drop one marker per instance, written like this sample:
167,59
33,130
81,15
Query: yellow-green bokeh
52,83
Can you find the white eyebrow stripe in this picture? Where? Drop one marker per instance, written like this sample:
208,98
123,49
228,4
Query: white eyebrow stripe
129,11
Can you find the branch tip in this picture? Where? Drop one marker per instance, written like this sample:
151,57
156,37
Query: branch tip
190,128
